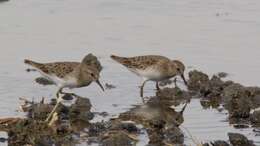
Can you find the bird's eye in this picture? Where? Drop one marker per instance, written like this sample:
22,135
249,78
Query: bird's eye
92,74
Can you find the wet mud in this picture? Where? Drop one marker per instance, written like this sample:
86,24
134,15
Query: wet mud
70,123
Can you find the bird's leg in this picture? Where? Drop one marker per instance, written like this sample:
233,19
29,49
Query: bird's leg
142,89
157,86
59,92
52,112
175,82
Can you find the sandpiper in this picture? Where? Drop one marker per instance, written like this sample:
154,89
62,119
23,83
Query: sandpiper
152,67
70,74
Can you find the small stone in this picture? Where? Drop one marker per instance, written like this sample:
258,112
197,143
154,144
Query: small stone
237,139
219,143
222,74
109,86
255,118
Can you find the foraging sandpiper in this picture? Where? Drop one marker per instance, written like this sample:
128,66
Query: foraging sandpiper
152,67
70,74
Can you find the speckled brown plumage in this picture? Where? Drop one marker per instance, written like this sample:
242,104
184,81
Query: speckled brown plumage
141,62
60,69
70,74
152,67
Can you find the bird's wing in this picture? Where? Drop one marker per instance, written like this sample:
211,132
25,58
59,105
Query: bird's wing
139,62
59,69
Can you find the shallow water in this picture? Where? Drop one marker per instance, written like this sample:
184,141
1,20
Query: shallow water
212,36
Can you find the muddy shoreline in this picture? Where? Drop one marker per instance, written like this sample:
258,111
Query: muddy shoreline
71,124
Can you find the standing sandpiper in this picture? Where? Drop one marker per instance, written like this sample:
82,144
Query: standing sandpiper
70,74
152,67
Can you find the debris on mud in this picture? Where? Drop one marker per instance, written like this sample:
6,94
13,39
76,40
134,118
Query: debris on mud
70,123
33,130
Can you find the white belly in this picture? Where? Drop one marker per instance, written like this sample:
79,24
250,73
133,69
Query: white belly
149,73
69,82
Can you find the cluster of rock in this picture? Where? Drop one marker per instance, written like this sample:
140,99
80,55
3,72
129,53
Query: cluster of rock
71,124
237,99
235,139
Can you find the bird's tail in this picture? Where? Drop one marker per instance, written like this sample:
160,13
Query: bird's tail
32,63
118,59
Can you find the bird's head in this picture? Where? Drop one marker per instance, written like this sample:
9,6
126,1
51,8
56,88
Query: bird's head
92,60
89,74
180,68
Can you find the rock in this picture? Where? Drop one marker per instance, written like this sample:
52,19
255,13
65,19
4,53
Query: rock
33,130
219,143
172,96
233,90
216,86
240,126
254,94
159,117
238,102
237,139
239,110
129,127
97,128
255,118
222,74
81,110
109,86
213,102
197,80
118,138
205,144
173,135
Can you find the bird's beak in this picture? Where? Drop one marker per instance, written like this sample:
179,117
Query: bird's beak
184,80
100,85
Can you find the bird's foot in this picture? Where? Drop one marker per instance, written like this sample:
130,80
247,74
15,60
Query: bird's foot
158,88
